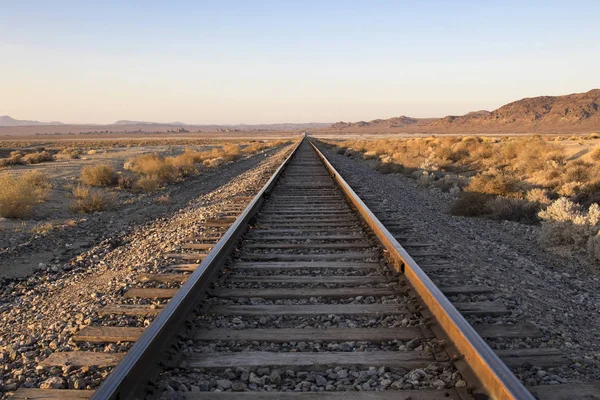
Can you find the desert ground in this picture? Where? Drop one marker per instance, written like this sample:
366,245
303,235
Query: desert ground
60,264
53,230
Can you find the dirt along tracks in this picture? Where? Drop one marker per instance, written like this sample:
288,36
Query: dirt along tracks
96,261
22,249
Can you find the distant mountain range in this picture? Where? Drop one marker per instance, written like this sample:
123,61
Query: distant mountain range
127,122
579,112
5,120
544,114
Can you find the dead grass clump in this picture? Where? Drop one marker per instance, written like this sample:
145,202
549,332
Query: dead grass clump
125,181
39,181
88,199
214,162
231,152
593,247
99,175
511,209
163,199
16,158
18,194
147,184
43,227
255,147
577,171
471,204
541,197
155,166
595,154
39,157
183,163
498,184
68,153
451,182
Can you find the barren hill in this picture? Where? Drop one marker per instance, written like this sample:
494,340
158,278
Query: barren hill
396,122
579,112
5,120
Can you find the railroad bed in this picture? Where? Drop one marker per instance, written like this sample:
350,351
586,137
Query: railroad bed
302,299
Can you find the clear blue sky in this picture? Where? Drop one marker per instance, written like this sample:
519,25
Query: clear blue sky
288,61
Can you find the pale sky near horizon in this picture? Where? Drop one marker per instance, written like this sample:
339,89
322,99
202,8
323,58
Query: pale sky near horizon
288,61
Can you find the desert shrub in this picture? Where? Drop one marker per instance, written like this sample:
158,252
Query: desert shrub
444,153
593,246
498,184
125,181
38,180
231,152
577,171
565,210
424,178
155,166
595,154
471,204
541,197
450,181
147,184
569,189
183,163
69,153
512,209
16,158
194,157
18,194
214,162
567,223
36,158
98,175
88,199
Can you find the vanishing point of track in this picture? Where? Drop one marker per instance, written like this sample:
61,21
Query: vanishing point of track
303,293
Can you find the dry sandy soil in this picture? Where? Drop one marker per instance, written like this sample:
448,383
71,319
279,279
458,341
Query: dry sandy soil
54,232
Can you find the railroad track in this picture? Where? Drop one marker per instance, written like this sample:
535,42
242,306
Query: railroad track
301,298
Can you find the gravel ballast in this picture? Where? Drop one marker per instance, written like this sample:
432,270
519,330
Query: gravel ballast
40,313
555,293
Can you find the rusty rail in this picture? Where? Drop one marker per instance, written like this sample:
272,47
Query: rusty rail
131,375
495,377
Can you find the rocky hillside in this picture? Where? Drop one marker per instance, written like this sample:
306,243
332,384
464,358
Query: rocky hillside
396,122
579,112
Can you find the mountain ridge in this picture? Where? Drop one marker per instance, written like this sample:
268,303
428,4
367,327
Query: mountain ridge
6,120
530,114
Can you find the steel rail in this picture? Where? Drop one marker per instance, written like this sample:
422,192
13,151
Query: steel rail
495,377
130,376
